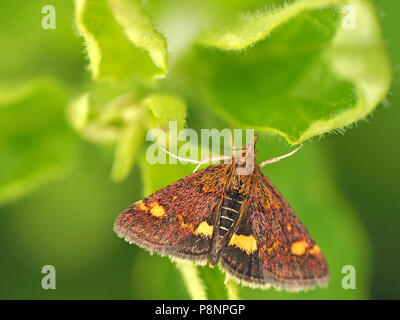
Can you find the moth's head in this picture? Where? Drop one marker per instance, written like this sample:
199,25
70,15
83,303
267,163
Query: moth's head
245,159
250,148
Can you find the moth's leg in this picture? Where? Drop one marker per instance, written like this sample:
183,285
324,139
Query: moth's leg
276,159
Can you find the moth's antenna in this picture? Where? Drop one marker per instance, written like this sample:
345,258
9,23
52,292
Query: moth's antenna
199,162
276,159
197,167
178,157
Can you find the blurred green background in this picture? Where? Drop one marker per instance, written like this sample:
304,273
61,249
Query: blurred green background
350,180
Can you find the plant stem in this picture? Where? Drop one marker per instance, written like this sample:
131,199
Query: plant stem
233,290
192,280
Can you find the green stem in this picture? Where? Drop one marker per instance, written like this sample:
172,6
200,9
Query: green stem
192,280
233,290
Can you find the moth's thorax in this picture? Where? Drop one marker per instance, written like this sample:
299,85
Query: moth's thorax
242,174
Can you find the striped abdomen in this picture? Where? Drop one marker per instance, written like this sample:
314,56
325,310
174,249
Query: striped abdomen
230,209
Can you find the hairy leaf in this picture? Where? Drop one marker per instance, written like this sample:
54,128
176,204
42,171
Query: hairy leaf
123,121
121,40
296,70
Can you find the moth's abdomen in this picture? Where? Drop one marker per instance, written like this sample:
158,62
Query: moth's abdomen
230,209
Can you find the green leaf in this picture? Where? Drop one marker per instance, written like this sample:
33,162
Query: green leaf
123,120
251,28
121,40
140,30
293,70
101,122
358,56
165,108
126,150
35,142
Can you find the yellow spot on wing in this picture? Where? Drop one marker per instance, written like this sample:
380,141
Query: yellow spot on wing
156,210
185,225
315,250
299,247
245,243
269,250
274,246
142,206
204,229
289,227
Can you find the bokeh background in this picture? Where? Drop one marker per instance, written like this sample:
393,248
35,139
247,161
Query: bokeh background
354,179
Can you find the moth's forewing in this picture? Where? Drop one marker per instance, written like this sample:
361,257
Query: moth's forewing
178,219
272,247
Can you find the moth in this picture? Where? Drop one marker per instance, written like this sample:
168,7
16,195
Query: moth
239,222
